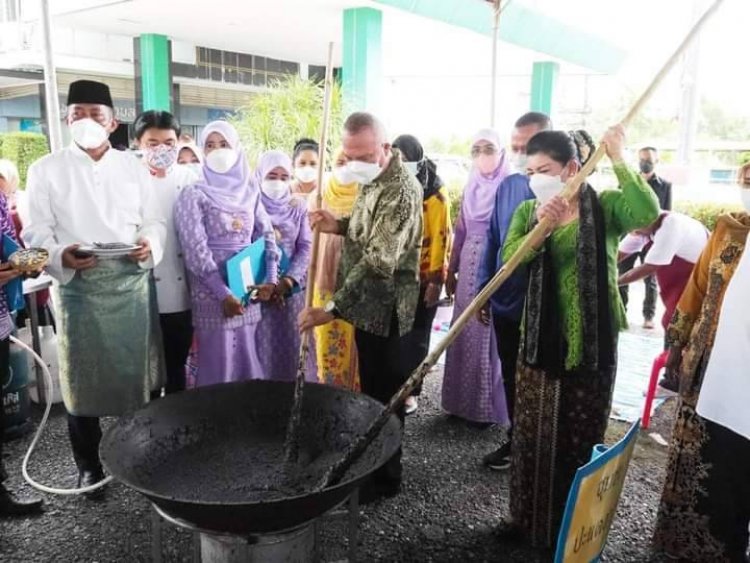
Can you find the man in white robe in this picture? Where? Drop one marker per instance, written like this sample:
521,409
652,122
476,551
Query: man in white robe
90,193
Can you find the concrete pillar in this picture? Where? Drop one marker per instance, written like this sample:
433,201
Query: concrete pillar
543,80
153,72
362,59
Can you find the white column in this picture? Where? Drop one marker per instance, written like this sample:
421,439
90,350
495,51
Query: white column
50,82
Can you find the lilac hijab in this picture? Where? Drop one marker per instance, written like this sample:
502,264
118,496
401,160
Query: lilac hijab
479,193
234,190
279,210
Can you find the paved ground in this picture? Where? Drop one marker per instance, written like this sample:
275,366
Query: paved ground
449,509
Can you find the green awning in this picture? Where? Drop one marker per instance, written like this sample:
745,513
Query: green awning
524,27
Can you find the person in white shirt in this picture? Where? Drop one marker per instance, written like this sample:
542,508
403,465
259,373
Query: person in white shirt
156,134
672,245
84,194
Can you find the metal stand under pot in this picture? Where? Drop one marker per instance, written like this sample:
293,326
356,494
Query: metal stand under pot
298,545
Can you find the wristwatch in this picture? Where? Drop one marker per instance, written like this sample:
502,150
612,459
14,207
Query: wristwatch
331,309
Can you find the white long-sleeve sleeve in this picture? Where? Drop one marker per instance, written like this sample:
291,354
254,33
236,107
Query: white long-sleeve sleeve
76,200
40,230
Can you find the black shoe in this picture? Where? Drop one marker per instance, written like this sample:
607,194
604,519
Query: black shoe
509,532
499,459
479,425
10,506
670,384
88,477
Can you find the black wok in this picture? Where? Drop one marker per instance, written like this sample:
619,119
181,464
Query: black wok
213,456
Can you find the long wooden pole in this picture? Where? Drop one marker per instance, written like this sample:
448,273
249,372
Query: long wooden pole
493,78
292,442
533,240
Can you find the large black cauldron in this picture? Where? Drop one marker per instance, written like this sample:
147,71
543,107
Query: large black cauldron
213,456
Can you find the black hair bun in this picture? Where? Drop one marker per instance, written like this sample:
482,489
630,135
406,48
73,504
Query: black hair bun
585,146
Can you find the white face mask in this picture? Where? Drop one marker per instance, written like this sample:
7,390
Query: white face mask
412,167
745,195
545,187
88,134
364,172
275,189
306,174
344,176
195,167
518,161
221,160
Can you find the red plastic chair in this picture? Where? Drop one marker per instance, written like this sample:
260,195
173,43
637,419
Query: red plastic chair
658,365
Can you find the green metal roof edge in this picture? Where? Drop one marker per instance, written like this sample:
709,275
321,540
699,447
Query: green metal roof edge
523,27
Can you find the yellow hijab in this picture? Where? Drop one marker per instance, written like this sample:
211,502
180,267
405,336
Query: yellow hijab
339,198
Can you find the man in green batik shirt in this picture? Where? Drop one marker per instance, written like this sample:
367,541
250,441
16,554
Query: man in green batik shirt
378,284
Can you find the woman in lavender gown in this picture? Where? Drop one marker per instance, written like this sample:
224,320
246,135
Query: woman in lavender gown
472,383
277,337
216,218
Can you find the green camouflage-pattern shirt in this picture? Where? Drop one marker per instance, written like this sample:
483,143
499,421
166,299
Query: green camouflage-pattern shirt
379,269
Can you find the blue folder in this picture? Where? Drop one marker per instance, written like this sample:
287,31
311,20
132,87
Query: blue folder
248,267
14,288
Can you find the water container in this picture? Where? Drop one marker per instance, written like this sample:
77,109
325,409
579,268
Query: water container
48,345
15,394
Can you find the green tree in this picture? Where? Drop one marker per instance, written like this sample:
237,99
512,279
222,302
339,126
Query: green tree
23,149
716,124
455,145
645,128
290,109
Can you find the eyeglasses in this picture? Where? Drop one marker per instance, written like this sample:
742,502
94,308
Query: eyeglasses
483,149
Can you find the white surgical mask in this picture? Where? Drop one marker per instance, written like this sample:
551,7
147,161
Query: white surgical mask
221,160
364,172
344,176
306,174
88,134
545,187
195,167
412,167
518,161
275,189
745,195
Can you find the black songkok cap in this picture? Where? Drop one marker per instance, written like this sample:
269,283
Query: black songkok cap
89,92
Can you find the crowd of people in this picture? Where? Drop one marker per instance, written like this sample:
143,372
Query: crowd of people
540,358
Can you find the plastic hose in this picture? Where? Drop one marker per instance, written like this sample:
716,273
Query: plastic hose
24,466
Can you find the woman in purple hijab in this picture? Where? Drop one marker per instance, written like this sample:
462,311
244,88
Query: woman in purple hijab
216,218
472,383
277,337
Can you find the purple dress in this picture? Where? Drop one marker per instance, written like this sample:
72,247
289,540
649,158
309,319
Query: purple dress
472,382
210,235
277,337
